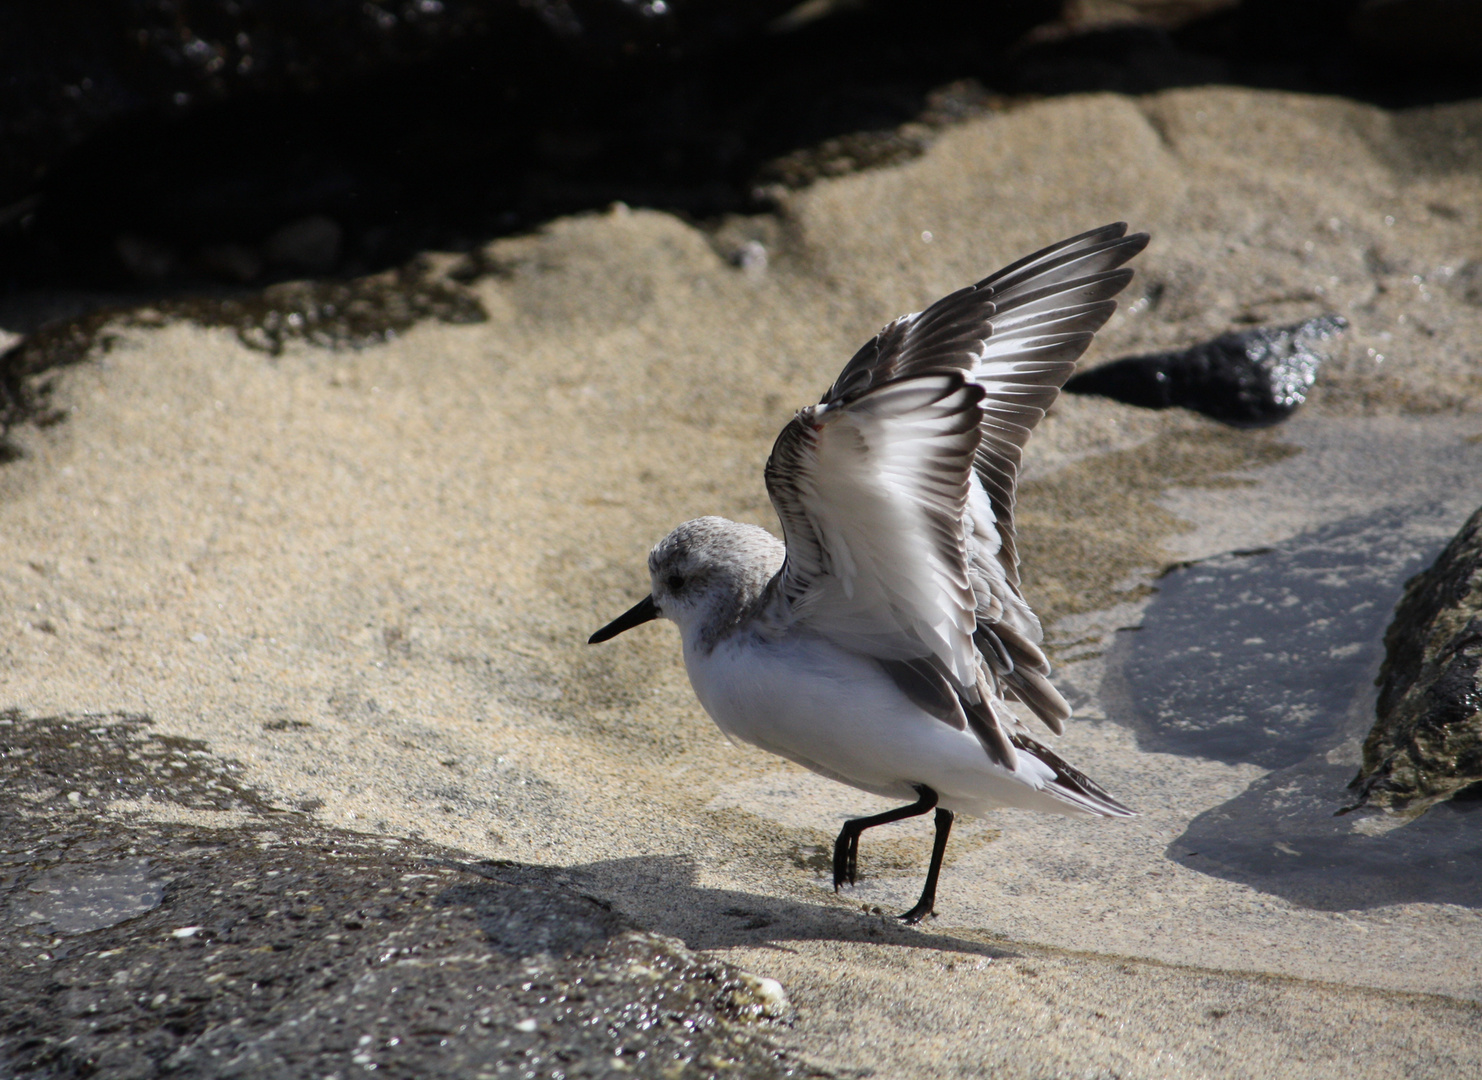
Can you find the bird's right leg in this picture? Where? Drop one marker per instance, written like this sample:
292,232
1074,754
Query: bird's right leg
846,847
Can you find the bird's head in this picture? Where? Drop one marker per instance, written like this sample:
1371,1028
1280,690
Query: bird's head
703,576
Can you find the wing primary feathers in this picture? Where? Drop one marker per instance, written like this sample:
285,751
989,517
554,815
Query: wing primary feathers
896,492
1110,241
1037,692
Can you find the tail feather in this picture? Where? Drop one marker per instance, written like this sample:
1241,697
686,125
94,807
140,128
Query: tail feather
1072,785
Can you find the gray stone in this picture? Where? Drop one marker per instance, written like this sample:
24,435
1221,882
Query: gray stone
269,946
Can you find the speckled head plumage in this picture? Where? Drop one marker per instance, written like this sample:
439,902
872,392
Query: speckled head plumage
708,576
710,573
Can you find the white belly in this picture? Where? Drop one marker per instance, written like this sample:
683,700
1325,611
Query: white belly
840,715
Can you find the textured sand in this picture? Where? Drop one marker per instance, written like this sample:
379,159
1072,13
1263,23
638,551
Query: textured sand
404,549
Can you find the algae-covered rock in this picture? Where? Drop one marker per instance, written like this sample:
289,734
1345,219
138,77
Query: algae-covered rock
1426,745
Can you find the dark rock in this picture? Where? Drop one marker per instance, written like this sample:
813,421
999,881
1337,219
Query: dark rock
74,67
234,262
419,125
1248,378
145,259
1426,744
1410,35
311,243
208,125
280,948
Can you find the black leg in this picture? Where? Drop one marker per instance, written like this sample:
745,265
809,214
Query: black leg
928,899
846,847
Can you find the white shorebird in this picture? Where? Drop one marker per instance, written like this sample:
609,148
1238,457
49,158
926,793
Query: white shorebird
879,645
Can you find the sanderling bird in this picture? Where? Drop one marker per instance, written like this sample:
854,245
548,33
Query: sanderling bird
879,645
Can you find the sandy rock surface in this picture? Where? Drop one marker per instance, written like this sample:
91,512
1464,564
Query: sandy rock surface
368,576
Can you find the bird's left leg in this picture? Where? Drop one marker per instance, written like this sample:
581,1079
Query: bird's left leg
928,899
846,847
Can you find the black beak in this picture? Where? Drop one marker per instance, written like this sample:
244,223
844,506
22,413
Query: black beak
643,611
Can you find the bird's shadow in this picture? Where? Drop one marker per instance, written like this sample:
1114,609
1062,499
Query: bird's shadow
661,894
1269,658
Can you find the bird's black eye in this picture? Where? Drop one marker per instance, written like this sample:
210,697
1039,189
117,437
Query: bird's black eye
674,582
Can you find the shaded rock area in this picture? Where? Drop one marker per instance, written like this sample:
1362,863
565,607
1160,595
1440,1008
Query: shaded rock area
157,145
75,68
1250,378
1426,745
209,142
136,947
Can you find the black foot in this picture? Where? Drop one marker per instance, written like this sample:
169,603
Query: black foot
846,847
846,855
843,865
924,907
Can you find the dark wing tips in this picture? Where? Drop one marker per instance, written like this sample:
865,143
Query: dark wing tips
1109,241
1082,788
1105,234
946,332
1040,695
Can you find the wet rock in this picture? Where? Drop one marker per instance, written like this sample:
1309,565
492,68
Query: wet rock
1249,378
274,947
1270,679
1426,745
73,900
89,761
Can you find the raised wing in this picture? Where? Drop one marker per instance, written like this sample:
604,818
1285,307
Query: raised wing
896,492
872,494
1018,334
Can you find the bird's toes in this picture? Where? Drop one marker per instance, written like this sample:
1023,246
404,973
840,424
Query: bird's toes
916,914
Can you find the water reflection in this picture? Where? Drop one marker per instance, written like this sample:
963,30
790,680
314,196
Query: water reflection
76,899
1269,657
